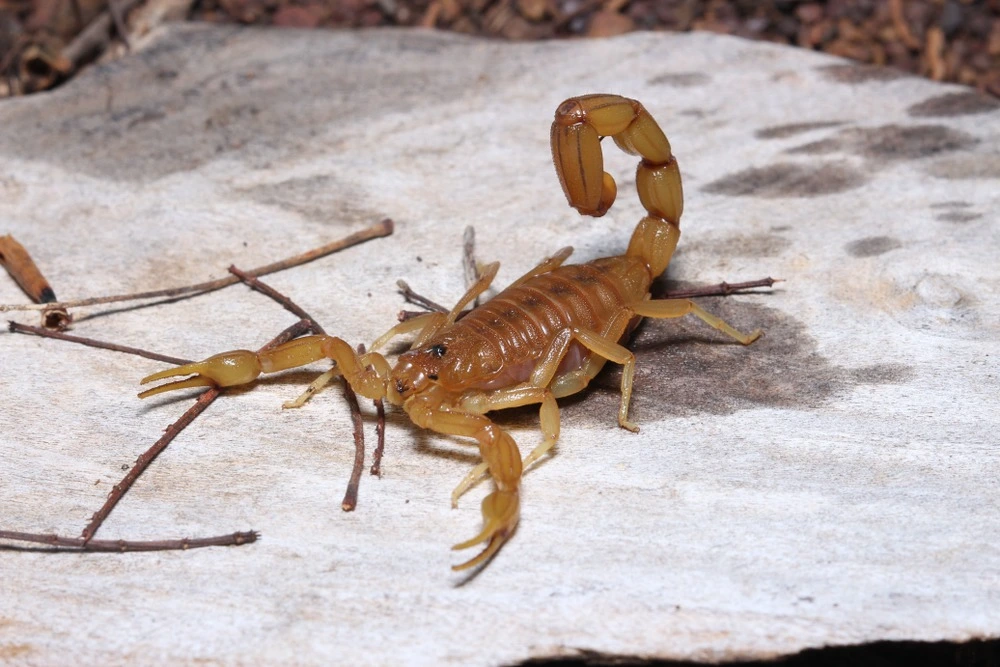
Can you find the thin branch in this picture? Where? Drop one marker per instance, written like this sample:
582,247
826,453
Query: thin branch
274,294
15,327
147,457
22,268
469,266
384,228
79,544
418,300
376,468
720,289
351,494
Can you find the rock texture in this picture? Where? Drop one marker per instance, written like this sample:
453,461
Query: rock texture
834,483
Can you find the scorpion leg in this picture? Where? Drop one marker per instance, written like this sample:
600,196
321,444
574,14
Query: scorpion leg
547,264
436,321
513,398
671,308
422,322
366,373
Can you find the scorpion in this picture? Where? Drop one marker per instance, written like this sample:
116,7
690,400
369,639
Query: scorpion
544,337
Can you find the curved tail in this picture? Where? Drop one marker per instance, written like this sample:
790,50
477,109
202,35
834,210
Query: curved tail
579,126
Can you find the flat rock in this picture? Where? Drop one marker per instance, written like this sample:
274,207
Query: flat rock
834,483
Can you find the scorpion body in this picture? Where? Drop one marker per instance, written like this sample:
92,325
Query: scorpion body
544,337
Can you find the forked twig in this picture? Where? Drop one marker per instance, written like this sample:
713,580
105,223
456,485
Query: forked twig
418,300
383,228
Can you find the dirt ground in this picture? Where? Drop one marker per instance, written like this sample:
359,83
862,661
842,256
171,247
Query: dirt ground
45,42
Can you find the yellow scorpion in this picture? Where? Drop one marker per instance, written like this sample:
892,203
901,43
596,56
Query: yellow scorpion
544,337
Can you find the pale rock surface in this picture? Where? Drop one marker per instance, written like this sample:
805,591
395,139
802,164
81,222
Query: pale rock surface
834,483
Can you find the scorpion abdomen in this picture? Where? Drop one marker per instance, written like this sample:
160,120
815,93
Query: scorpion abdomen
521,322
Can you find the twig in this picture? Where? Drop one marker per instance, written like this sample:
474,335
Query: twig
25,272
384,228
376,468
417,299
78,543
469,260
15,327
147,457
350,500
720,289
285,301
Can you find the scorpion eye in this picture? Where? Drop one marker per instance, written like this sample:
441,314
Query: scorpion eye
438,350
432,376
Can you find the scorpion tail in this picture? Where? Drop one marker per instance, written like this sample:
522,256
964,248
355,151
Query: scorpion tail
501,511
579,125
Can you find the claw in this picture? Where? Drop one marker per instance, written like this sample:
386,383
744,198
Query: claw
222,370
501,510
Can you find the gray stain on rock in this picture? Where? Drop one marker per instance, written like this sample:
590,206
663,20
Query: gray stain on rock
897,142
110,123
320,198
891,142
957,216
683,367
791,129
973,166
954,104
740,245
882,374
872,246
680,79
851,73
788,180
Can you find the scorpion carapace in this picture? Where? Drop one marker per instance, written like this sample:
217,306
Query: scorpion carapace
544,337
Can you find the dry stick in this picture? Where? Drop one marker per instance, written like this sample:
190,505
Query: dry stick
22,268
469,260
233,539
417,299
274,294
383,228
720,289
147,457
15,327
376,468
350,500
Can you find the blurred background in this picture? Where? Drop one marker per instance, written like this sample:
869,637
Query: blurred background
45,42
